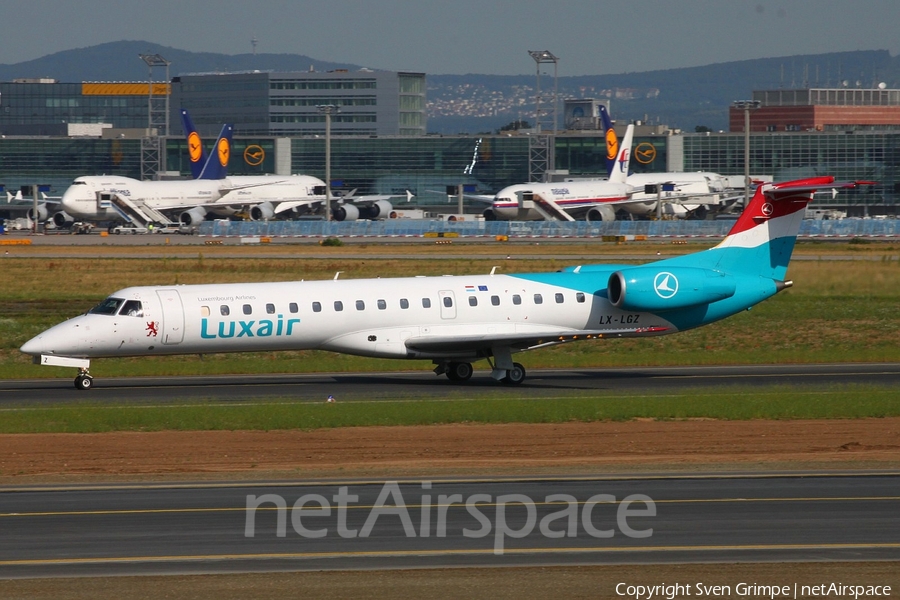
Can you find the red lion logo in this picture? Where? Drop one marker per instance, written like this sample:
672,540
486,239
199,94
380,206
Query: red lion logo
152,329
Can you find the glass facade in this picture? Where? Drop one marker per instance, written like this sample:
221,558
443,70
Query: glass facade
58,161
30,104
858,156
287,104
586,155
425,166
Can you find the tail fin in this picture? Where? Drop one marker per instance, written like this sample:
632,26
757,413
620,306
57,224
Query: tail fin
612,141
762,240
196,153
620,170
216,165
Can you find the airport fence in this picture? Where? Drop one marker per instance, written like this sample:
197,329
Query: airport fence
532,229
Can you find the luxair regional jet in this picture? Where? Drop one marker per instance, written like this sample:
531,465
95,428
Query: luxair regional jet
453,321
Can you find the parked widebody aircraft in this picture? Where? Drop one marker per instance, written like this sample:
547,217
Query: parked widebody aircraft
679,194
347,207
453,321
117,198
48,208
592,199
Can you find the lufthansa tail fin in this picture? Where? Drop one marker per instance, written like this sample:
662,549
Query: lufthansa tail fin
620,170
196,153
216,165
612,141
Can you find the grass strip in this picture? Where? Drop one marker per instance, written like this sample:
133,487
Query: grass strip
726,403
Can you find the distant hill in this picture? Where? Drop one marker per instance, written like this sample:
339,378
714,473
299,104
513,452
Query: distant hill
118,61
682,98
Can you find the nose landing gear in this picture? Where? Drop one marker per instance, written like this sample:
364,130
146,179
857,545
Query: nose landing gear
84,381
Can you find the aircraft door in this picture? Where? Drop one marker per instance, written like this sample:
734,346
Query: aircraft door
448,304
172,316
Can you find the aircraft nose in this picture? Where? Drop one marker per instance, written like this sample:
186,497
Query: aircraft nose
34,346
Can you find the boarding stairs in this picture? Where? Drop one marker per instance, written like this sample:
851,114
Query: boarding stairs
546,207
137,212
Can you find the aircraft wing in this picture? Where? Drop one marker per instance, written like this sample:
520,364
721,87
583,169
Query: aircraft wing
18,202
520,341
371,198
483,198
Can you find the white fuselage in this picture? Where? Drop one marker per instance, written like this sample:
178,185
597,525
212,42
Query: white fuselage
578,197
224,196
690,191
575,197
374,317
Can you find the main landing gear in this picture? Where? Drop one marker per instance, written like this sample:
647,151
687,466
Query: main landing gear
84,381
460,372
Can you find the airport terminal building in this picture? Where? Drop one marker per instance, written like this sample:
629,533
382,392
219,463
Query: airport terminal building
383,148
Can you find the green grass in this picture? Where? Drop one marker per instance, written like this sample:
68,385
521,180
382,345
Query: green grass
838,311
729,403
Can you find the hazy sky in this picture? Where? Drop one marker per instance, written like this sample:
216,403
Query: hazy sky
463,36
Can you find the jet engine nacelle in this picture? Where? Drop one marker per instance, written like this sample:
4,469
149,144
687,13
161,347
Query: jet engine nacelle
661,288
193,216
376,210
600,213
346,212
42,213
63,219
262,212
489,214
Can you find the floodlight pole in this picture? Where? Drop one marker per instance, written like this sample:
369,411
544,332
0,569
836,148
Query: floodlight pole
328,110
746,106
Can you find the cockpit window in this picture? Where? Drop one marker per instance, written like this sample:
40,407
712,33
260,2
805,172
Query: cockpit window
108,307
132,308
76,182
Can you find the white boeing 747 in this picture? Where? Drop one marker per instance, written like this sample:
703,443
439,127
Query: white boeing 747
452,321
117,198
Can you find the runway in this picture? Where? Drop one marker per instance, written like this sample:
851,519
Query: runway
207,528
541,383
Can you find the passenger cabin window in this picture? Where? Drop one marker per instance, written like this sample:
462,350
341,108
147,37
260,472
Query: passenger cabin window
579,297
293,307
382,304
338,306
426,302
559,298
448,301
132,308
270,309
517,299
360,305
317,307
224,310
108,307
473,301
495,300
404,303
538,299
204,311
248,310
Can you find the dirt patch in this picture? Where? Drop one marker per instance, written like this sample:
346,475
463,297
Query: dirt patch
471,584
643,445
